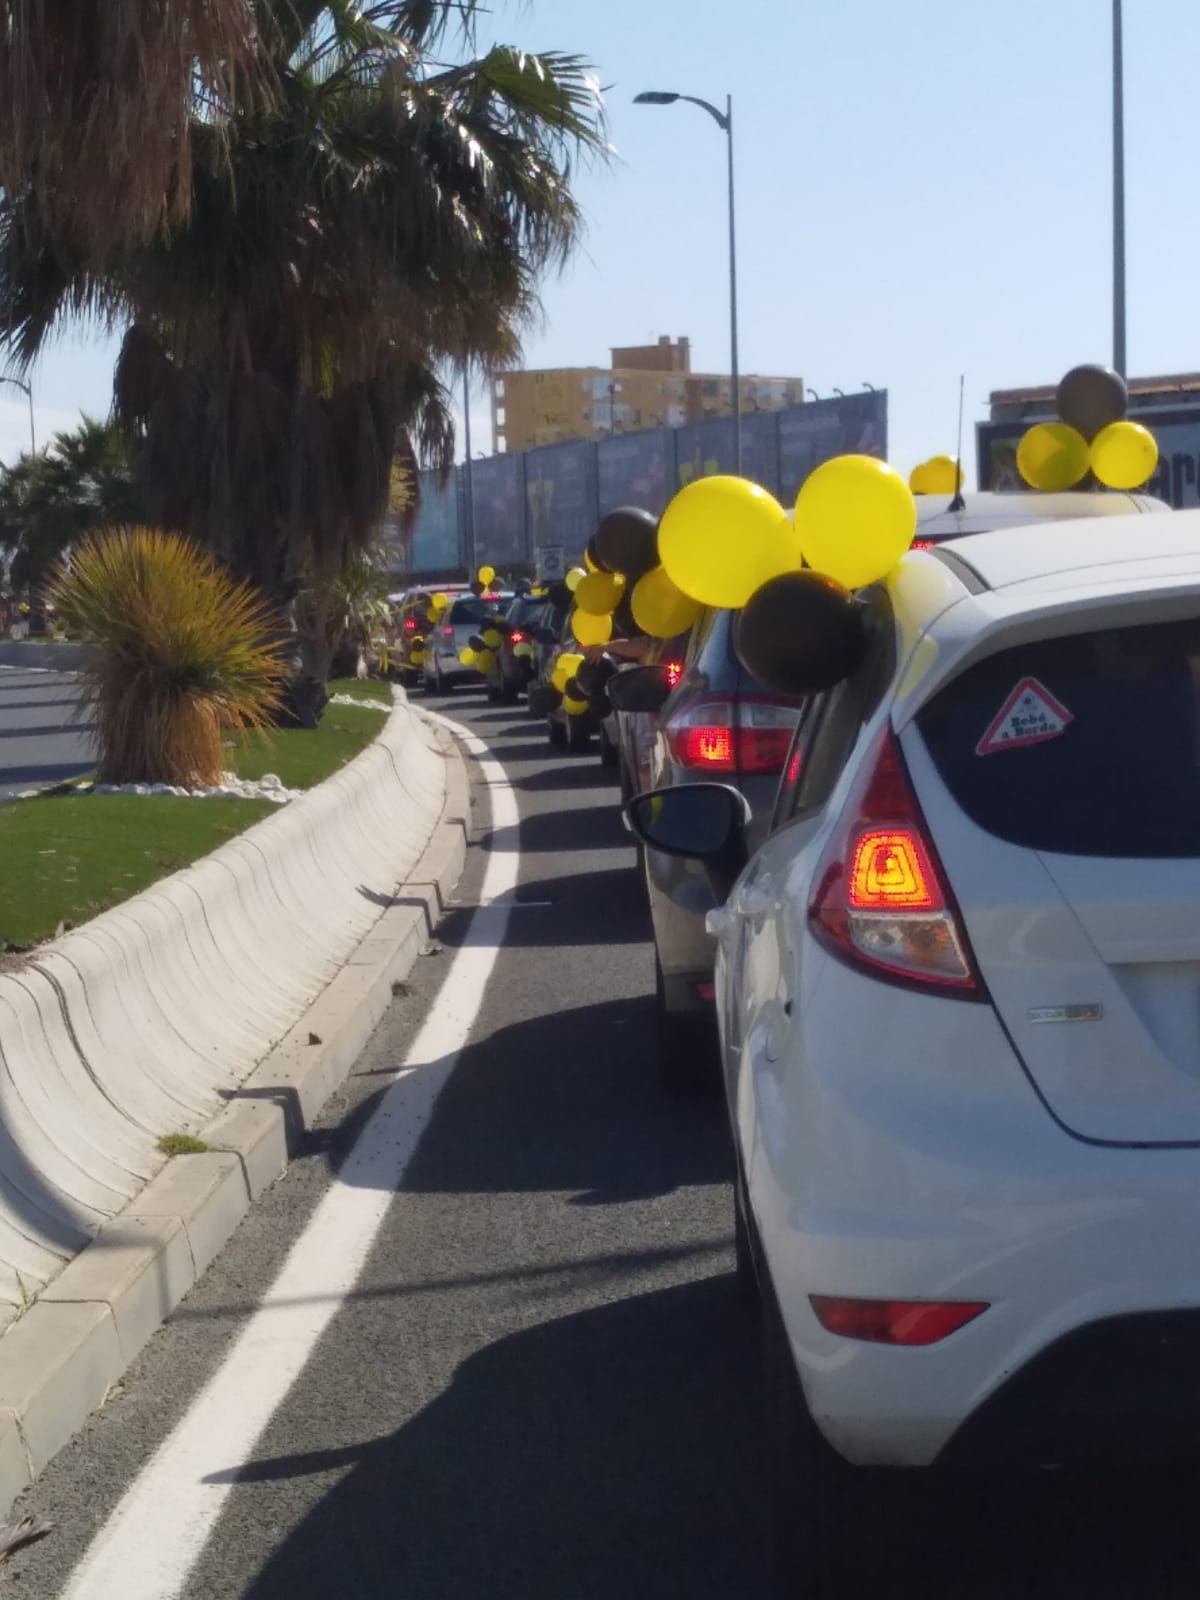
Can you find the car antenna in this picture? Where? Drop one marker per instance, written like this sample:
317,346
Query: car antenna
958,503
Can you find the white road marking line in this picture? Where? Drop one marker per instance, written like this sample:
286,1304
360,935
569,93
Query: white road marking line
153,1540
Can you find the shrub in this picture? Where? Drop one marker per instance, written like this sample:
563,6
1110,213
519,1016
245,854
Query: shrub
181,654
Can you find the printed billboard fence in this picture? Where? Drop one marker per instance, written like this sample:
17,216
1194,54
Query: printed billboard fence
552,497
1176,428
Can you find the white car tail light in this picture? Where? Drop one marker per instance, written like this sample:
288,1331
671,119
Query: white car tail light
746,735
882,903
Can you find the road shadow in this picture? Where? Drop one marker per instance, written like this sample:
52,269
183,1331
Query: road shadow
597,827
568,1101
585,908
576,772
45,772
610,1455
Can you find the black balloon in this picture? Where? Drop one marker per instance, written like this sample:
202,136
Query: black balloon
560,596
1090,397
800,634
627,541
592,676
593,555
477,642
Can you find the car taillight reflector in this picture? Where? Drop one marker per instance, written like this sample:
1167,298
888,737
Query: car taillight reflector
447,632
748,736
882,903
517,637
908,1323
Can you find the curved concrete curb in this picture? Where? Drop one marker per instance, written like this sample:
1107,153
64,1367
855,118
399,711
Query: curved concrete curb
193,1061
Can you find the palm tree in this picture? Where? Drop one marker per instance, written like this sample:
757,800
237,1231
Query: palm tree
80,483
384,214
99,101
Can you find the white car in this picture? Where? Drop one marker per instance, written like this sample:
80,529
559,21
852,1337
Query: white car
959,1000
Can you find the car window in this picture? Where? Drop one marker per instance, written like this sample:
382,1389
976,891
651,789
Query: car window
1086,745
472,609
830,724
524,610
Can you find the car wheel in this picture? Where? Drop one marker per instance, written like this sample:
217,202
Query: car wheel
610,756
510,693
579,735
836,1529
686,1053
494,695
555,732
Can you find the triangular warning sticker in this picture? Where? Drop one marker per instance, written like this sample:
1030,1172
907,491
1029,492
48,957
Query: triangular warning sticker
1030,715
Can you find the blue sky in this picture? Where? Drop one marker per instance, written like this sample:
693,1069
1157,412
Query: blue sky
924,190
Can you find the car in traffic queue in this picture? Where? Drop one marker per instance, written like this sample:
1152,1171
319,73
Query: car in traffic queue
957,995
713,720
465,618
515,665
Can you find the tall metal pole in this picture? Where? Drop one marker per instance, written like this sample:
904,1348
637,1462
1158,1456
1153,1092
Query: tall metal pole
1118,67
735,374
469,479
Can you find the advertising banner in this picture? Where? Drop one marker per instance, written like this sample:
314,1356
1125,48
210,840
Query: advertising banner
499,511
853,424
1176,428
558,499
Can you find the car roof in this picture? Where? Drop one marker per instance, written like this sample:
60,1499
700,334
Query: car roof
980,513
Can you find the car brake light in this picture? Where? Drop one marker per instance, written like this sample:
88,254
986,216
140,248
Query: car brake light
517,637
410,624
673,671
882,903
447,632
900,1322
748,735
922,544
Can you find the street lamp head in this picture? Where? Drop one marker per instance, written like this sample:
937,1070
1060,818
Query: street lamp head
655,97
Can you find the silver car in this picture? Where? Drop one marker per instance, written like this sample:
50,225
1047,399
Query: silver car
466,616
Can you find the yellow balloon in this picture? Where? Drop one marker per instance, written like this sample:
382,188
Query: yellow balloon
1052,456
524,650
721,538
485,660
467,656
591,629
856,517
575,577
600,593
589,563
487,575
575,708
918,479
440,602
565,668
659,608
493,638
417,657
941,475
539,591
1124,455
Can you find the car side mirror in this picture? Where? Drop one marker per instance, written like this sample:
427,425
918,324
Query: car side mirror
703,821
639,689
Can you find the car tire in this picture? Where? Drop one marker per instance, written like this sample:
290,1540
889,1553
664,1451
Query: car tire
610,756
686,1053
509,694
836,1528
555,732
494,695
579,736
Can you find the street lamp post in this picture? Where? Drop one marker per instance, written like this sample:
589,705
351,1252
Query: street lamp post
19,383
468,474
1118,101
724,121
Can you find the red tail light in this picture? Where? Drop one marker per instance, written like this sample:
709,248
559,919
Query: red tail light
517,637
410,624
674,671
923,544
748,736
882,903
447,632
900,1322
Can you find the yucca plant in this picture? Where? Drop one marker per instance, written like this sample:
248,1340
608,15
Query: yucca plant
181,654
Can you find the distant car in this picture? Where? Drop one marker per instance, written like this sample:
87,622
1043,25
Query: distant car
515,666
718,722
465,619
574,731
411,627
957,990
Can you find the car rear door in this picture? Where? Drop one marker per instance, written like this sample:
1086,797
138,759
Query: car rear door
1061,782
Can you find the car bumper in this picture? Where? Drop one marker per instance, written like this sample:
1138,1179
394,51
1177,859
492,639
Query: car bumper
938,1175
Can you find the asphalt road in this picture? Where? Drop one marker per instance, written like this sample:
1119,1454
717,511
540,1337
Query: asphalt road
40,741
542,1385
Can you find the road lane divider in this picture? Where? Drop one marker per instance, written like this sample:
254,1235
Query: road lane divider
150,1545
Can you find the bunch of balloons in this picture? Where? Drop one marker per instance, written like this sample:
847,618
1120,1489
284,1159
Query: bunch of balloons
486,576
437,606
622,585
938,475
1092,435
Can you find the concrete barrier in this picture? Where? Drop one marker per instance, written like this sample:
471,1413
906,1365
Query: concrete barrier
144,1021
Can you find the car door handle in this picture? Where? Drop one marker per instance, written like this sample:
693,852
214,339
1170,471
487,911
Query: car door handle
757,900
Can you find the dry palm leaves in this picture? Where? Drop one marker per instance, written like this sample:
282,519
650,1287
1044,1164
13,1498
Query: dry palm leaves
99,102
